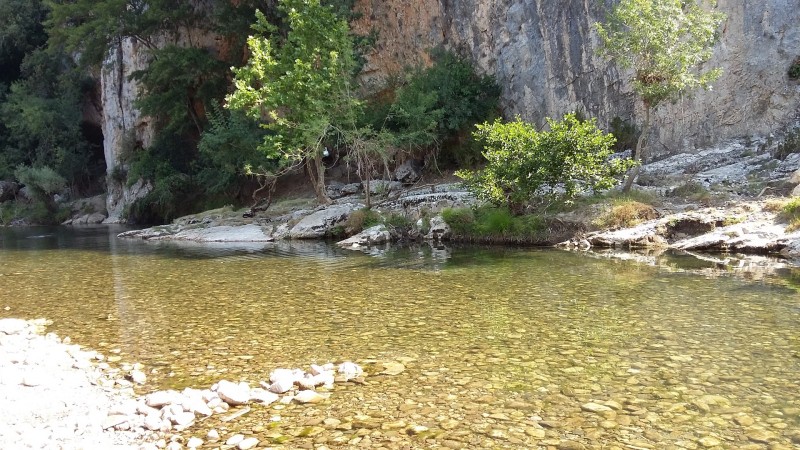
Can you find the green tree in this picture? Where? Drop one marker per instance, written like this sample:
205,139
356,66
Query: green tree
664,44
523,163
299,85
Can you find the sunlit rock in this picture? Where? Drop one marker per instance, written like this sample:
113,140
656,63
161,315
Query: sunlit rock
308,396
233,393
349,370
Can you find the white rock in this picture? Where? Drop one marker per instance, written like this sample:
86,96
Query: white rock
212,435
325,379
174,446
350,370
247,444
138,377
160,398
153,422
282,374
263,396
309,397
235,440
281,386
12,326
183,419
194,442
232,393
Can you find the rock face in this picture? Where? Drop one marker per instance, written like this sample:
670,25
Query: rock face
124,127
543,56
322,222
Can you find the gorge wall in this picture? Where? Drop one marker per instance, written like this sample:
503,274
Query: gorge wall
543,55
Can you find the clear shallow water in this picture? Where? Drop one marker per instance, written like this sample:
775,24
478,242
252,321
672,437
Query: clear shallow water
502,347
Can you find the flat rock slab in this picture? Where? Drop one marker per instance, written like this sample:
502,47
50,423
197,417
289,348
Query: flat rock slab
225,233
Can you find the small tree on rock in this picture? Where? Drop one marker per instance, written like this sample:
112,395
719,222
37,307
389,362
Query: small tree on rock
665,43
523,163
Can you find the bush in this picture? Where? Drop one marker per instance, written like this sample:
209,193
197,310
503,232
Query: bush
794,69
495,224
437,103
626,133
791,213
790,144
570,158
626,213
360,220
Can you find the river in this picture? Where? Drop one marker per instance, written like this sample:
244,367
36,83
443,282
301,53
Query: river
502,348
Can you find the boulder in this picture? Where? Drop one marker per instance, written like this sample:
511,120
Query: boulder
8,190
371,236
322,222
409,172
439,230
95,218
383,187
233,393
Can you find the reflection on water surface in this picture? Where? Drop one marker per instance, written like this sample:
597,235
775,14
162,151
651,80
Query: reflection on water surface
504,348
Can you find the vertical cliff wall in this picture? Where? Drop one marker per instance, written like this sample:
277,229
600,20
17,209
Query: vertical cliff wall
124,127
542,53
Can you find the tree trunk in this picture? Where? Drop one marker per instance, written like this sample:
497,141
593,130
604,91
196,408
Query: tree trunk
367,192
637,154
318,179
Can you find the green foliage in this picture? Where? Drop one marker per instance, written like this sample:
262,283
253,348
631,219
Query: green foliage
299,86
495,224
790,144
523,163
791,213
92,27
170,198
41,181
436,103
664,42
625,132
360,220
42,118
180,84
229,151
21,32
794,69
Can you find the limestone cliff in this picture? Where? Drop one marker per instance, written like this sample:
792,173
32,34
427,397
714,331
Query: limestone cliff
124,127
542,53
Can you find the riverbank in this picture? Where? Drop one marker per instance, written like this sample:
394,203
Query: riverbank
725,200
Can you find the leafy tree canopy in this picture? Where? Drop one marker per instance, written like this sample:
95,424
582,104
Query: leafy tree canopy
665,42
298,85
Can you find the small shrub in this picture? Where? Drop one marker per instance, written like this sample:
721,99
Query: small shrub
691,190
791,214
775,205
626,133
794,69
360,220
627,213
790,144
460,220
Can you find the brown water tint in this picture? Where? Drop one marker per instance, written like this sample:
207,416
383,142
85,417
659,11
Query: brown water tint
502,348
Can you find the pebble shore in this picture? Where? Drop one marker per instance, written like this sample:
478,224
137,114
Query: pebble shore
60,396
57,395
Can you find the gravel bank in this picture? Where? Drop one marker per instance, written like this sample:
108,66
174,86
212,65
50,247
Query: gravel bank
56,395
